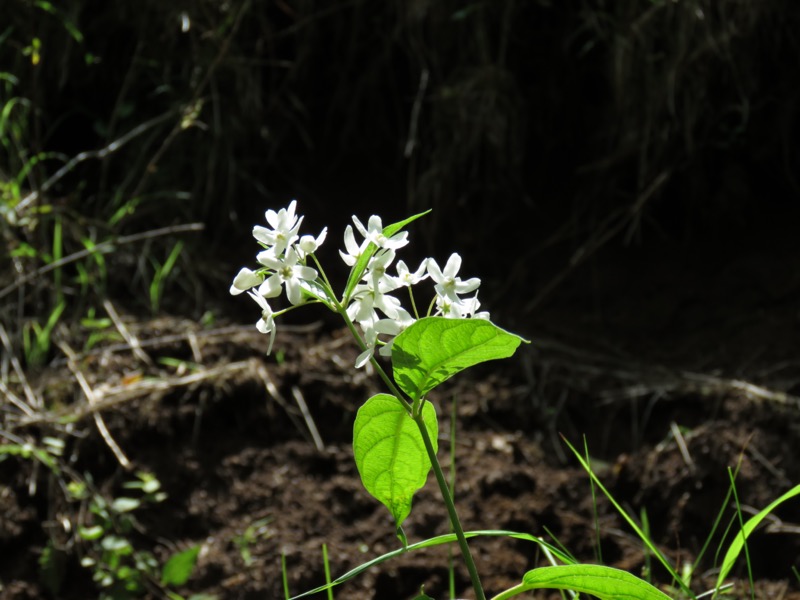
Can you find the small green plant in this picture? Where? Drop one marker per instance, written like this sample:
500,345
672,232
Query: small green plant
100,329
256,530
118,568
36,338
162,272
395,434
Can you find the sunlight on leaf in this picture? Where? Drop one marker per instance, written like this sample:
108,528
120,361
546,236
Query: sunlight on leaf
434,349
390,454
606,583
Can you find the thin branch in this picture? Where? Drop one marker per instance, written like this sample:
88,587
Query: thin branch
93,400
312,427
79,158
131,339
33,399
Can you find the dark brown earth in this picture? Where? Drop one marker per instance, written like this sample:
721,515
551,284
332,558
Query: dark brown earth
704,380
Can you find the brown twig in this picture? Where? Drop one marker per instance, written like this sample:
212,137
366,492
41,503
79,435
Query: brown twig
131,339
33,399
92,399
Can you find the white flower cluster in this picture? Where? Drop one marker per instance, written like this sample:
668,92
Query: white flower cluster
369,304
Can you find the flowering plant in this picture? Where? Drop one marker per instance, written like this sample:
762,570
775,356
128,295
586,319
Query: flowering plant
395,435
367,299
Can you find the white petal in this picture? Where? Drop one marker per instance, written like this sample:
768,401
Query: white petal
374,224
453,265
347,258
360,226
307,273
273,218
264,235
293,291
364,357
350,241
435,272
398,240
271,287
268,259
387,327
465,287
290,211
245,280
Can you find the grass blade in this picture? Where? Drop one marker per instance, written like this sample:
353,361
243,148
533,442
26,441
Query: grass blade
436,541
738,543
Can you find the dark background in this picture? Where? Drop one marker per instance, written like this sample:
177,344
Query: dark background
624,175
576,153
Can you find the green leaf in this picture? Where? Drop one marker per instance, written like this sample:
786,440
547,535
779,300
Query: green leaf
604,582
434,349
125,504
116,544
91,533
390,453
738,542
179,567
361,264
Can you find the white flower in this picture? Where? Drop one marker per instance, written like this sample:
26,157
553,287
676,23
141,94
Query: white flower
393,327
308,244
287,273
471,306
462,308
366,299
245,280
406,277
390,327
447,284
266,324
354,251
285,225
374,233
376,272
370,340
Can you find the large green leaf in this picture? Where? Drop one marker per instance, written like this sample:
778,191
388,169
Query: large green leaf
738,542
606,583
434,349
390,453
358,269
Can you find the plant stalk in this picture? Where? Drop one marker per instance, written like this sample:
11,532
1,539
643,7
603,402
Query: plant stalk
451,508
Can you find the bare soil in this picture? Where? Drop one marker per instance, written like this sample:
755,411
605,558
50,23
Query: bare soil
689,391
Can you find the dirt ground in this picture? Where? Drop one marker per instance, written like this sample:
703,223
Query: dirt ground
681,367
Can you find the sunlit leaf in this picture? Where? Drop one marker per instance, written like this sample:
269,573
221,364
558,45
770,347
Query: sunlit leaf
604,582
434,349
390,453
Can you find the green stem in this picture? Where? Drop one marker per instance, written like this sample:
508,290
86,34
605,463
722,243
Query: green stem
416,415
451,509
362,346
